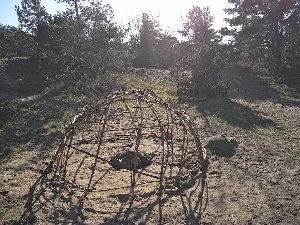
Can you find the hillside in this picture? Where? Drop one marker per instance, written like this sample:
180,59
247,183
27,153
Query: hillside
257,182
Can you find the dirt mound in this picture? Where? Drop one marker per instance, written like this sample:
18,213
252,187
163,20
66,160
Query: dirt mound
221,146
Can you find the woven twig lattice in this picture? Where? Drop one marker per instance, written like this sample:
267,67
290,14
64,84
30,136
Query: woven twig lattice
133,135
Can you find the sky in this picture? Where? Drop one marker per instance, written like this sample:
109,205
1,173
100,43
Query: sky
168,12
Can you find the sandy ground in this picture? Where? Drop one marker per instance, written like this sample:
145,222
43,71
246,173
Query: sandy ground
256,182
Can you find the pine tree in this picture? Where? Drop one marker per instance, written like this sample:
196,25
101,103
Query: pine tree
31,14
262,31
78,45
201,50
149,34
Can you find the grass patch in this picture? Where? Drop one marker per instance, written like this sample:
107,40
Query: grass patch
16,151
162,83
12,151
70,98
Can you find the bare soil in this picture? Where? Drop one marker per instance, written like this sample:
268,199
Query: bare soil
253,179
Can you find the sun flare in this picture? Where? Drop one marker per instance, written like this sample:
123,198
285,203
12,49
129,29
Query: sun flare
169,13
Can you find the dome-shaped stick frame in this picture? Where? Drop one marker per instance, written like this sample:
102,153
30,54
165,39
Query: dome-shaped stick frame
132,137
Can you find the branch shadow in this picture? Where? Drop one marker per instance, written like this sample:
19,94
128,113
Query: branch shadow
49,200
194,210
156,206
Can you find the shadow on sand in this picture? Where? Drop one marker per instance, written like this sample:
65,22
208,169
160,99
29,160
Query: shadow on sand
235,114
47,200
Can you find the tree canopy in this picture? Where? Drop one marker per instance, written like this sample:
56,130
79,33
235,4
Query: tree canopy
267,33
201,50
84,43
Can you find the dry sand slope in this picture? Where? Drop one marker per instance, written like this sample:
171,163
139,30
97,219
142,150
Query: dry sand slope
252,179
